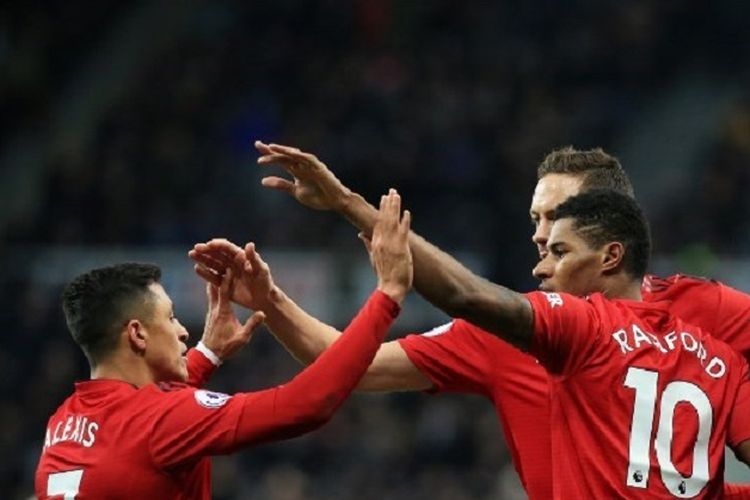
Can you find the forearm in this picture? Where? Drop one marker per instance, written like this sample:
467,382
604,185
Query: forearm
449,285
304,336
438,277
312,397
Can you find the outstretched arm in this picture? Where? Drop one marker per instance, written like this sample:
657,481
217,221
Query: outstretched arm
194,424
304,336
321,388
438,277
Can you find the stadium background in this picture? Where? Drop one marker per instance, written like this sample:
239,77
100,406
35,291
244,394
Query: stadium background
126,130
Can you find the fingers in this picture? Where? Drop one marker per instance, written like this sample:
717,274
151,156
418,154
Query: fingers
390,208
393,205
278,183
253,322
242,264
256,261
208,261
262,148
225,290
367,242
295,153
267,155
223,246
212,294
208,275
275,158
216,254
405,225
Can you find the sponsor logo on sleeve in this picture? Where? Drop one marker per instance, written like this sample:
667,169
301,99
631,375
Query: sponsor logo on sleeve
211,400
554,299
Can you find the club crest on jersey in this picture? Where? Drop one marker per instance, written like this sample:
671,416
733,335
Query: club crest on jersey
211,400
554,299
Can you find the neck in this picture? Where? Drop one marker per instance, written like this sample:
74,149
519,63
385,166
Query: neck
623,287
134,372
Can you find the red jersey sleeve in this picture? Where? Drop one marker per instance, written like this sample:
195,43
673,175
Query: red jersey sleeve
199,368
453,356
195,423
739,424
566,330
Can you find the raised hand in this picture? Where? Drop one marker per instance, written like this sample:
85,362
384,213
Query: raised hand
253,282
389,248
313,184
223,333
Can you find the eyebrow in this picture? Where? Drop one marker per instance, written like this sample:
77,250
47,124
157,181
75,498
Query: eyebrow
549,213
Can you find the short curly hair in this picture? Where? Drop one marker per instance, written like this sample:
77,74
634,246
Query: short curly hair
598,169
601,216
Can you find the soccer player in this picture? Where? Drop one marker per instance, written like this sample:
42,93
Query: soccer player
459,356
723,311
606,387
612,363
133,431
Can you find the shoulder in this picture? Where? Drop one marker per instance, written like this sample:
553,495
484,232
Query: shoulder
168,396
455,336
171,386
162,393
677,284
455,327
552,302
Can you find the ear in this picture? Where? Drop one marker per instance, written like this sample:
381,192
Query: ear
137,336
612,255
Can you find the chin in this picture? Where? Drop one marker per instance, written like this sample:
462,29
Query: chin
180,374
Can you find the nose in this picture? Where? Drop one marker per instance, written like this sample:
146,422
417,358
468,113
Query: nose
182,334
541,236
542,270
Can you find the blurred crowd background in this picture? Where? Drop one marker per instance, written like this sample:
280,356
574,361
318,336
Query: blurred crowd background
126,132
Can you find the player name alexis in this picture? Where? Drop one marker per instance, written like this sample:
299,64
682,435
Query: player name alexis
635,338
75,428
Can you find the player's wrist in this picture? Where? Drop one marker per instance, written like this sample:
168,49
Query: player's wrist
210,353
395,291
344,201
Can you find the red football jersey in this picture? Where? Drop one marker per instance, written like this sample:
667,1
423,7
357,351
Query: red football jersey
113,440
641,403
199,368
721,310
461,357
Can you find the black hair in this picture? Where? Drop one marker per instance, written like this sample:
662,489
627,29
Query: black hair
99,302
604,215
597,169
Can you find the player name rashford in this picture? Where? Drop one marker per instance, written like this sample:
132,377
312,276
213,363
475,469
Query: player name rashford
630,339
76,428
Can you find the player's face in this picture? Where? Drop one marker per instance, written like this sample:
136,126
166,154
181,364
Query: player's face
166,340
550,191
574,266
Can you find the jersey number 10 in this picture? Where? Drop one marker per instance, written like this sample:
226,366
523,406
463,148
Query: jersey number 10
644,382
